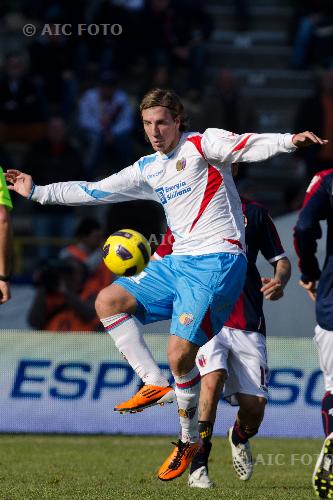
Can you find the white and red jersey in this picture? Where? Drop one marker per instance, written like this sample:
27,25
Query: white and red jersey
193,183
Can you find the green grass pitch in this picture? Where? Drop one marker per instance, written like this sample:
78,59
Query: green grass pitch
123,468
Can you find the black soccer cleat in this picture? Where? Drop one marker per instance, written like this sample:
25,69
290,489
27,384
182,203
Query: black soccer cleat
322,478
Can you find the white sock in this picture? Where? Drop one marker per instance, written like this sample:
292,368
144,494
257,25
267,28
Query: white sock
187,391
130,342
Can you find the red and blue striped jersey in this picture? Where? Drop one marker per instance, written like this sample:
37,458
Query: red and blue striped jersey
317,206
260,236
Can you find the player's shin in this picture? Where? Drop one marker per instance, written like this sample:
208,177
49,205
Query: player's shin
128,338
187,392
205,446
241,433
249,417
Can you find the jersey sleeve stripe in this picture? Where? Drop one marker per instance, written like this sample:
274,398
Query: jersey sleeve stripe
196,140
242,144
315,185
95,193
146,160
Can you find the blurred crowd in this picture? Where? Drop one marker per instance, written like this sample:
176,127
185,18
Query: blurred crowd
311,34
67,286
69,111
68,104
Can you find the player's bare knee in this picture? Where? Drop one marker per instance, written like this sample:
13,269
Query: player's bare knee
213,382
254,409
179,363
259,406
114,300
181,355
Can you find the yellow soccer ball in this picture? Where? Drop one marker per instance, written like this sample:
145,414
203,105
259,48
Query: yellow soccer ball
126,252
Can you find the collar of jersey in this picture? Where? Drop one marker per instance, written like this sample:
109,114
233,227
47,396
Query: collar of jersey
169,155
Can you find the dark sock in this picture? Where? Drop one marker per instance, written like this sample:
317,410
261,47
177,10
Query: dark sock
326,413
205,445
205,430
241,435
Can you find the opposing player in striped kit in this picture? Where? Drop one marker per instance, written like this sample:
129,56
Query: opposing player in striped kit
196,286
318,206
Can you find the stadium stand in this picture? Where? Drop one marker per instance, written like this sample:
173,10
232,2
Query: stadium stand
249,39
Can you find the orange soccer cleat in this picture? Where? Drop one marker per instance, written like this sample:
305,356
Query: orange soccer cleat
148,395
178,461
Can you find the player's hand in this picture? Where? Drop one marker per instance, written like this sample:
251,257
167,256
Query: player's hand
4,291
272,288
311,288
19,182
307,138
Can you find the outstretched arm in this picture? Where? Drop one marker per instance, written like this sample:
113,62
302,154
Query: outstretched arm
220,146
124,186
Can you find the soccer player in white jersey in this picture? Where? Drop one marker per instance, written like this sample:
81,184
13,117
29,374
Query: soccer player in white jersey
196,286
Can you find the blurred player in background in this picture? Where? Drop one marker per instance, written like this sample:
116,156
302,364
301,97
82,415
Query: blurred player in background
198,285
64,300
87,249
317,206
236,358
5,239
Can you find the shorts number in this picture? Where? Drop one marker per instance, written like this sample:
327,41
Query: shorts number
264,377
138,277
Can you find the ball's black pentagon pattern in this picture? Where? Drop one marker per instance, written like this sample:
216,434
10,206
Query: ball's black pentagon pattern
131,271
125,234
144,252
123,253
106,249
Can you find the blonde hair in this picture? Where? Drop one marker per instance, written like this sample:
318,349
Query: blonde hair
167,99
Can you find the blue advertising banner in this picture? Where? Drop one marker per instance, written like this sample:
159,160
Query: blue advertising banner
69,383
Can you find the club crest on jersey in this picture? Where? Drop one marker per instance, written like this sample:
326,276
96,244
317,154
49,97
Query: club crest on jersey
202,360
186,318
180,165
